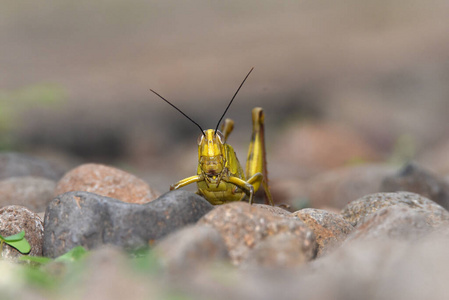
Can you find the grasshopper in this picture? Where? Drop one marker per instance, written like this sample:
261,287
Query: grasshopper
220,178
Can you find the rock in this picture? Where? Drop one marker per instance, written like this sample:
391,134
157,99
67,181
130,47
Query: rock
330,228
397,222
17,164
335,189
106,181
274,210
108,274
191,247
413,178
32,192
91,220
244,226
283,250
14,219
357,211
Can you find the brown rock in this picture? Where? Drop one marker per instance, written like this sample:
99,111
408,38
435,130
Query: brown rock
357,211
330,228
244,226
274,210
32,192
191,247
413,178
398,222
106,181
339,187
14,219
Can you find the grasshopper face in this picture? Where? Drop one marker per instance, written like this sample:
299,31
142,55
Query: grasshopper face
211,152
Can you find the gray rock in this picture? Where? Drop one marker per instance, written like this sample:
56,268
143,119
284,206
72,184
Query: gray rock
397,222
13,219
283,250
413,178
357,211
91,220
17,164
32,192
191,247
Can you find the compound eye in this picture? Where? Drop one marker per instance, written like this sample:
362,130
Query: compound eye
200,139
220,136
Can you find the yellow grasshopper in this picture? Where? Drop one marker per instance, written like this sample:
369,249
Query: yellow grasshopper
220,178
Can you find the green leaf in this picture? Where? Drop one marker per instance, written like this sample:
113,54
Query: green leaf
36,259
73,255
22,245
15,237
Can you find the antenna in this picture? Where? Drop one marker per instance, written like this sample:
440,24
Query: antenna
202,131
218,124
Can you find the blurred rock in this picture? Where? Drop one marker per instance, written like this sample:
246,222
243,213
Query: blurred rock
17,164
244,226
398,222
337,188
379,269
190,248
32,192
276,210
283,250
108,275
310,148
330,228
359,210
14,219
106,181
91,220
413,178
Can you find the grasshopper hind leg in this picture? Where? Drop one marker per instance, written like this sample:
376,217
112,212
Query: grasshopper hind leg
256,163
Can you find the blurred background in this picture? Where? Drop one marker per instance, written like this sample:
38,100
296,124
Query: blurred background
341,82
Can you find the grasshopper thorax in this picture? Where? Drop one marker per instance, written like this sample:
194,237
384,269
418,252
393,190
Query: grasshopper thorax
211,152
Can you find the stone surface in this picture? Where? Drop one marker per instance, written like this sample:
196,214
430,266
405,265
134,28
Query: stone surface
330,228
108,274
90,220
338,187
17,164
32,192
357,211
283,250
244,226
191,247
274,210
106,181
13,219
398,222
413,178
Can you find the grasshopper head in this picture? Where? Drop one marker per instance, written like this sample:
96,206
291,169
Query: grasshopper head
211,152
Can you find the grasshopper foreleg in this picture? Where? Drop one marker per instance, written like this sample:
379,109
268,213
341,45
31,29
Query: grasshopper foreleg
186,181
